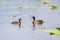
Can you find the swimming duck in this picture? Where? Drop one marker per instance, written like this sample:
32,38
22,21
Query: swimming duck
37,21
52,32
17,22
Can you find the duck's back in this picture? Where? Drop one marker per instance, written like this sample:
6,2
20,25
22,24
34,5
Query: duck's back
38,22
16,22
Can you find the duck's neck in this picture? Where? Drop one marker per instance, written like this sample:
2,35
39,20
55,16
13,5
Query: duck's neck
19,19
33,18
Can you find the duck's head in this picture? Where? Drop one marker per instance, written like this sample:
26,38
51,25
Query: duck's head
19,19
33,18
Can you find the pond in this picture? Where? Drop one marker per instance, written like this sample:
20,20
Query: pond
12,10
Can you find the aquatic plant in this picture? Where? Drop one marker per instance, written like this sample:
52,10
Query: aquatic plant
45,2
52,32
52,7
58,28
20,7
14,16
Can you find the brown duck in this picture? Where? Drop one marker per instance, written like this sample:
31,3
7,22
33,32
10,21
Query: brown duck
37,21
17,22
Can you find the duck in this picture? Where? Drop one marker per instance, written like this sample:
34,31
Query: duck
52,32
38,22
17,22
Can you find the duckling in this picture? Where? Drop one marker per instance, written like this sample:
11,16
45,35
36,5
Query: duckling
37,21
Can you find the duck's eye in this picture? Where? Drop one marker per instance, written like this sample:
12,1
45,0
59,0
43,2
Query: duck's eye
51,33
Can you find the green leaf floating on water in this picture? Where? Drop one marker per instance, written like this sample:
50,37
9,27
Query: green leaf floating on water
58,28
52,7
52,32
14,16
45,2
20,7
